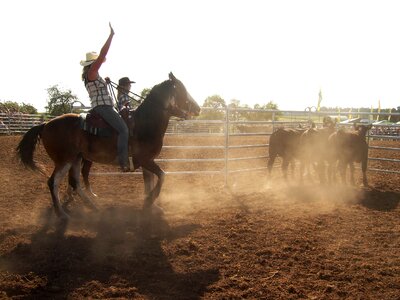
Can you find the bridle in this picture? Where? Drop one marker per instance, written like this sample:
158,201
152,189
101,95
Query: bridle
174,109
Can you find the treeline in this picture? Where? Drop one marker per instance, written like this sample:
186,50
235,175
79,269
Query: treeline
62,101
14,107
218,106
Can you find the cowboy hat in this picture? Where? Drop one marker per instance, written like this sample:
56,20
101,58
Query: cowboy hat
124,81
90,58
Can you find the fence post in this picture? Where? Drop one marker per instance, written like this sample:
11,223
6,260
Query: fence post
226,144
273,122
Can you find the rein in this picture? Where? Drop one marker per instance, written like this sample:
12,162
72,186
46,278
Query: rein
112,85
171,109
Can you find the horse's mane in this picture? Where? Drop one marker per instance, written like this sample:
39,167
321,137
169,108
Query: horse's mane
153,103
163,88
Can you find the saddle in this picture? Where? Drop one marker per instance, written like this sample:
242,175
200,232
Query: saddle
94,124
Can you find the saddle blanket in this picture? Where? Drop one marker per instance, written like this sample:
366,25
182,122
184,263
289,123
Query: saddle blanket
95,125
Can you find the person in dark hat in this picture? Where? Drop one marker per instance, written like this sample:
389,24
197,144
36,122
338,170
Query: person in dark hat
101,101
124,100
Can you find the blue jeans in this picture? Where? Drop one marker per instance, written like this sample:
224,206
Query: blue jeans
110,115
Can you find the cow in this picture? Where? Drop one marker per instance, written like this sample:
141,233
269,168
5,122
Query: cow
350,147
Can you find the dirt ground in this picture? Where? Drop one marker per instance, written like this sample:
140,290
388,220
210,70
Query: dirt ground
261,238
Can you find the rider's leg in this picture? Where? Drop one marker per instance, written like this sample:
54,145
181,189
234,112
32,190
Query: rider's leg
110,115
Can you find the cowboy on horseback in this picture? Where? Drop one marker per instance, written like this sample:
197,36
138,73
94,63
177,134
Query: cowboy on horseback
124,87
101,100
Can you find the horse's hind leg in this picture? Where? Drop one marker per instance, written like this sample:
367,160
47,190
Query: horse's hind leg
75,183
53,183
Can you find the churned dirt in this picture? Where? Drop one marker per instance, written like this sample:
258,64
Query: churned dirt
258,238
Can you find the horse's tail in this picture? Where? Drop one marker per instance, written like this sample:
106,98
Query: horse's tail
27,145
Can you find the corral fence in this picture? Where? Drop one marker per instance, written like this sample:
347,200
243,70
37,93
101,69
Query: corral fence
19,123
233,123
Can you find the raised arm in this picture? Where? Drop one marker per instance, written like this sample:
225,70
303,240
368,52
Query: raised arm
94,68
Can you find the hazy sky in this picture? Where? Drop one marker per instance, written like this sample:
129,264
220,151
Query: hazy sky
253,51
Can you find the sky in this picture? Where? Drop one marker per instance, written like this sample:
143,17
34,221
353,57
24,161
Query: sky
254,51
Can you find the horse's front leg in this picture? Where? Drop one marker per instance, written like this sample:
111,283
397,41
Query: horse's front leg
153,194
75,183
148,178
86,166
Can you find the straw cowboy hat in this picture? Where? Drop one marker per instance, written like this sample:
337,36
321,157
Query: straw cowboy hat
90,58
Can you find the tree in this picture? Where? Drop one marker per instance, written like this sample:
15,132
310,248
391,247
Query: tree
237,115
215,102
28,109
9,107
145,92
262,116
14,107
59,102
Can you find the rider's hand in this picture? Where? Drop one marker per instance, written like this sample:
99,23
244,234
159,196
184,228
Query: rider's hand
107,79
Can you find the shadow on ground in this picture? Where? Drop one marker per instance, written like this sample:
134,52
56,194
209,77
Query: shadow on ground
119,247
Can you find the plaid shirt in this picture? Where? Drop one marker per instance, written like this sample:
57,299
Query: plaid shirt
98,92
124,100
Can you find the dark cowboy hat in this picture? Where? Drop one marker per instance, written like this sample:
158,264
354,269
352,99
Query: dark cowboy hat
124,81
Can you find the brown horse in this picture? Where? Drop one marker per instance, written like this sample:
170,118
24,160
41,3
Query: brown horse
67,143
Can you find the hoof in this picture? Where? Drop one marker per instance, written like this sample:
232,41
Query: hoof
63,216
157,210
154,210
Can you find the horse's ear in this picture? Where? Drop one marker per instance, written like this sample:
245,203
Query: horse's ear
171,76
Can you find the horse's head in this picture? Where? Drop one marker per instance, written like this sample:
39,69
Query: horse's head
362,129
182,105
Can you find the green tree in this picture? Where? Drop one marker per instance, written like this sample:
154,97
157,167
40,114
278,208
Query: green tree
264,116
236,115
9,107
28,109
59,102
145,92
215,102
13,107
